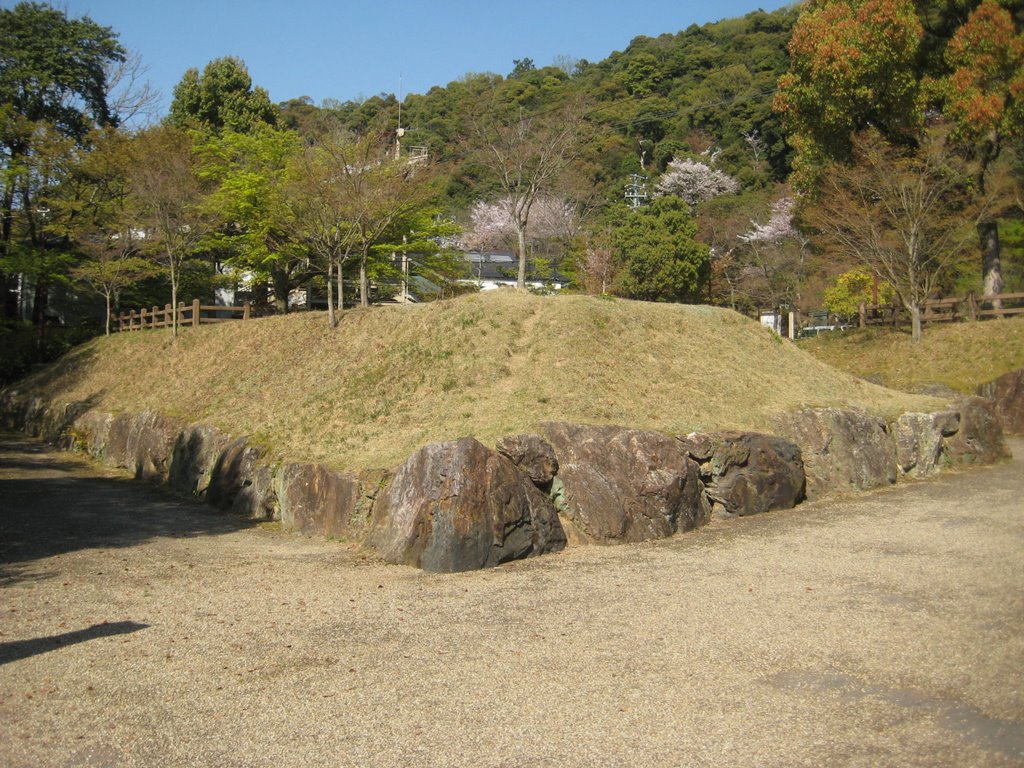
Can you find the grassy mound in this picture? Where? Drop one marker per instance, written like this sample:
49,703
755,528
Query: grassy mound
390,379
959,355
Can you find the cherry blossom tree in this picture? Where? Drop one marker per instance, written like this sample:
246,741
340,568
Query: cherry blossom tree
493,225
695,182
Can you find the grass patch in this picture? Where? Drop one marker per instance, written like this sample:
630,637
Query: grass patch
390,379
958,355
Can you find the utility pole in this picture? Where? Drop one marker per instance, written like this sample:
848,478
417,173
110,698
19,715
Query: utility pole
636,190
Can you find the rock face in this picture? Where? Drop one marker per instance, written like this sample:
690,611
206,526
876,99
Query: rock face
920,439
746,473
241,484
459,506
315,499
623,485
980,437
142,443
195,454
842,449
532,454
1008,393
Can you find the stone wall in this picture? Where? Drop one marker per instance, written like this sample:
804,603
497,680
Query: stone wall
460,505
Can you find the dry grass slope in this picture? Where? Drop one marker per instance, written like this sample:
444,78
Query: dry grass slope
959,355
390,379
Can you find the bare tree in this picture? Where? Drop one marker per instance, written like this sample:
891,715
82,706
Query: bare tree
166,195
526,156
349,192
905,214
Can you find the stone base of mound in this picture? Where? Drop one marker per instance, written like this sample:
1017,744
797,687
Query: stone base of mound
459,505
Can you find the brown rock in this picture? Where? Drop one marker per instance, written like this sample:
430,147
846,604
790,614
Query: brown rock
919,438
1008,393
195,454
459,506
142,443
532,454
624,485
315,499
980,438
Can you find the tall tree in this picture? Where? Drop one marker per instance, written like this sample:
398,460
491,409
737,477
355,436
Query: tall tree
526,157
166,195
906,214
221,98
982,94
53,79
250,174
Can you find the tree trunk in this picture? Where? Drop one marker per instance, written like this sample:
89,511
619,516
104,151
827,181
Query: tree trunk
106,325
521,237
279,279
174,299
331,321
991,265
364,283
915,323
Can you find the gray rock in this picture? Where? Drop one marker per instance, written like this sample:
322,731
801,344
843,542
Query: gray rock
1008,393
459,506
195,454
532,454
919,439
980,438
625,485
842,450
142,443
746,473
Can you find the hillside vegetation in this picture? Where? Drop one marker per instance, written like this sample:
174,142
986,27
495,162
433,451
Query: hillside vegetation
958,355
390,379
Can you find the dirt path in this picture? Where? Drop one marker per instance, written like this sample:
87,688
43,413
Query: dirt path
136,630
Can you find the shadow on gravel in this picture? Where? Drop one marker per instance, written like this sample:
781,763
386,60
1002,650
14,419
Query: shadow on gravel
23,649
49,507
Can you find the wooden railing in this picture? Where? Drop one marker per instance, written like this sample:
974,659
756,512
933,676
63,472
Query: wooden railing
969,307
188,315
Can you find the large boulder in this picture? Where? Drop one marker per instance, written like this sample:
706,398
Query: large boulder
142,443
195,454
1008,393
746,473
919,439
843,450
316,499
980,437
240,483
459,506
624,485
533,455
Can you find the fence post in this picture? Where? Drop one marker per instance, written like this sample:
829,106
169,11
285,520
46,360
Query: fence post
179,313
195,313
131,320
862,315
245,310
972,306
142,318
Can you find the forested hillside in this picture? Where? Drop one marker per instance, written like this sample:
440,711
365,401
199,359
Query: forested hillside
753,163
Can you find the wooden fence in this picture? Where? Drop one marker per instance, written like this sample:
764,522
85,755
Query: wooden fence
188,315
969,307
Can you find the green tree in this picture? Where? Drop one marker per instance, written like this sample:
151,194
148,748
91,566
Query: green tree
657,257
856,287
222,98
257,230
166,197
52,82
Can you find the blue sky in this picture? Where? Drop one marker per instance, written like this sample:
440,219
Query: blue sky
351,48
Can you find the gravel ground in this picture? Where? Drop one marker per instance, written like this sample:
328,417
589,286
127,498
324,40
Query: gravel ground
140,630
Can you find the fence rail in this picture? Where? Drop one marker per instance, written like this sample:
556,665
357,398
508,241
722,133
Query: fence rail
969,307
188,315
